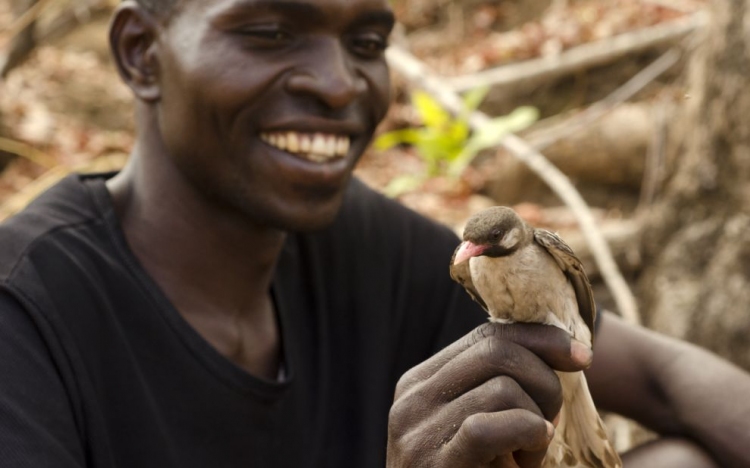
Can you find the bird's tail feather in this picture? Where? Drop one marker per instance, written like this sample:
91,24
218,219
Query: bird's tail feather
580,438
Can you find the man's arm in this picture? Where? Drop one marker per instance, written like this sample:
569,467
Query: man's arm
674,388
37,426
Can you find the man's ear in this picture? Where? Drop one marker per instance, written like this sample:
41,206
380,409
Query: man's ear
132,38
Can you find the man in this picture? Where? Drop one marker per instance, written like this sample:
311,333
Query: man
232,298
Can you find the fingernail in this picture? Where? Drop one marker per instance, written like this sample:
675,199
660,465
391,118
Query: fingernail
556,421
550,430
581,354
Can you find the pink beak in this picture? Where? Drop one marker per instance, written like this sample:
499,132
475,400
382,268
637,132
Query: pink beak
467,250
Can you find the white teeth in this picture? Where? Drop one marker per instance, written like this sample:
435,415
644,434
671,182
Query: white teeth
315,147
292,142
281,141
342,146
319,144
305,143
330,145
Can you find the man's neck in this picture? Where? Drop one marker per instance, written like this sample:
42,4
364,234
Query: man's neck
215,267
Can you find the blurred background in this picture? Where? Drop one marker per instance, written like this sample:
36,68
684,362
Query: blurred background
642,104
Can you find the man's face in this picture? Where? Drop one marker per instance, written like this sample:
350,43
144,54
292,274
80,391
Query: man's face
267,105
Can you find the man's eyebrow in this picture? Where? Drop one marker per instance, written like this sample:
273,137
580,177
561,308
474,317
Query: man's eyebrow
380,17
294,8
308,11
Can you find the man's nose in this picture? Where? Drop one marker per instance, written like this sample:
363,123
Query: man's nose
328,75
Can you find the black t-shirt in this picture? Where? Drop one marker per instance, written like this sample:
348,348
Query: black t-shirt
97,368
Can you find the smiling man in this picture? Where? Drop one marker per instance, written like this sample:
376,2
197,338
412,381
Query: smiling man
234,298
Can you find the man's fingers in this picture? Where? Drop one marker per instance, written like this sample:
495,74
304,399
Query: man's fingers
425,370
550,344
553,345
497,394
480,364
485,437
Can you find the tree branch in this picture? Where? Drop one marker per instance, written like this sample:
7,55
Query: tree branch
594,112
583,56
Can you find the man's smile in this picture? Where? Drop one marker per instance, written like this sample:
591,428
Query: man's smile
316,147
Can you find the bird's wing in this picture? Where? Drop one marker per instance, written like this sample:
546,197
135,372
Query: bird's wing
461,273
573,269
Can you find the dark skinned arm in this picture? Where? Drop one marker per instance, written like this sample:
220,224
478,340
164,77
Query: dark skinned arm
694,398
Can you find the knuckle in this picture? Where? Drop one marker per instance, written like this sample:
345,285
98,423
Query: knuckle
398,415
405,383
401,388
503,385
548,393
408,412
535,429
504,393
482,332
500,353
474,430
504,390
530,432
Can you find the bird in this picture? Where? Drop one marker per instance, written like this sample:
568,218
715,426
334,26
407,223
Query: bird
519,273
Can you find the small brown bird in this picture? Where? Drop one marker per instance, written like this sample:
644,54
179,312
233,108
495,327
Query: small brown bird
521,274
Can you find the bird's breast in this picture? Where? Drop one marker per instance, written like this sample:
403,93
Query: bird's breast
526,286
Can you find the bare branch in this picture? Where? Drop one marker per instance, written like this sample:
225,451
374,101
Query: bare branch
594,112
583,56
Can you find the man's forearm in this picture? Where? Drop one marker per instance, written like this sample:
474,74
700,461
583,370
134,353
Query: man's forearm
709,398
673,388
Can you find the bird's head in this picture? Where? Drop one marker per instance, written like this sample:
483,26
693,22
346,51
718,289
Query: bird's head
493,232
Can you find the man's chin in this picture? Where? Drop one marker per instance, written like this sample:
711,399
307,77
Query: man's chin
312,222
306,217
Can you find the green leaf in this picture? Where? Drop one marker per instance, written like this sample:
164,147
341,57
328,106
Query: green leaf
493,132
409,136
456,136
432,149
473,98
432,113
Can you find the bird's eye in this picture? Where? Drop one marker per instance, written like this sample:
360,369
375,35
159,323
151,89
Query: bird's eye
496,234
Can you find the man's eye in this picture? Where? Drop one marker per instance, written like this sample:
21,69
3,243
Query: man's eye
369,45
266,36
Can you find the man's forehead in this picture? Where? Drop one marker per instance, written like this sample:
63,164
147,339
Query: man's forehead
301,6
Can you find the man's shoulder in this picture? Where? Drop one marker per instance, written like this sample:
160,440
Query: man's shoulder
65,206
365,208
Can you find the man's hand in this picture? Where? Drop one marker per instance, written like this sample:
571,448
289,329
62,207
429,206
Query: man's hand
485,401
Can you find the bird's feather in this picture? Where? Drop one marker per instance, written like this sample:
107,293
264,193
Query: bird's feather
573,269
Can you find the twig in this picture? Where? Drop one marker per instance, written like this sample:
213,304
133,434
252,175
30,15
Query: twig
28,17
583,56
25,37
67,20
655,158
28,152
416,72
594,112
676,5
